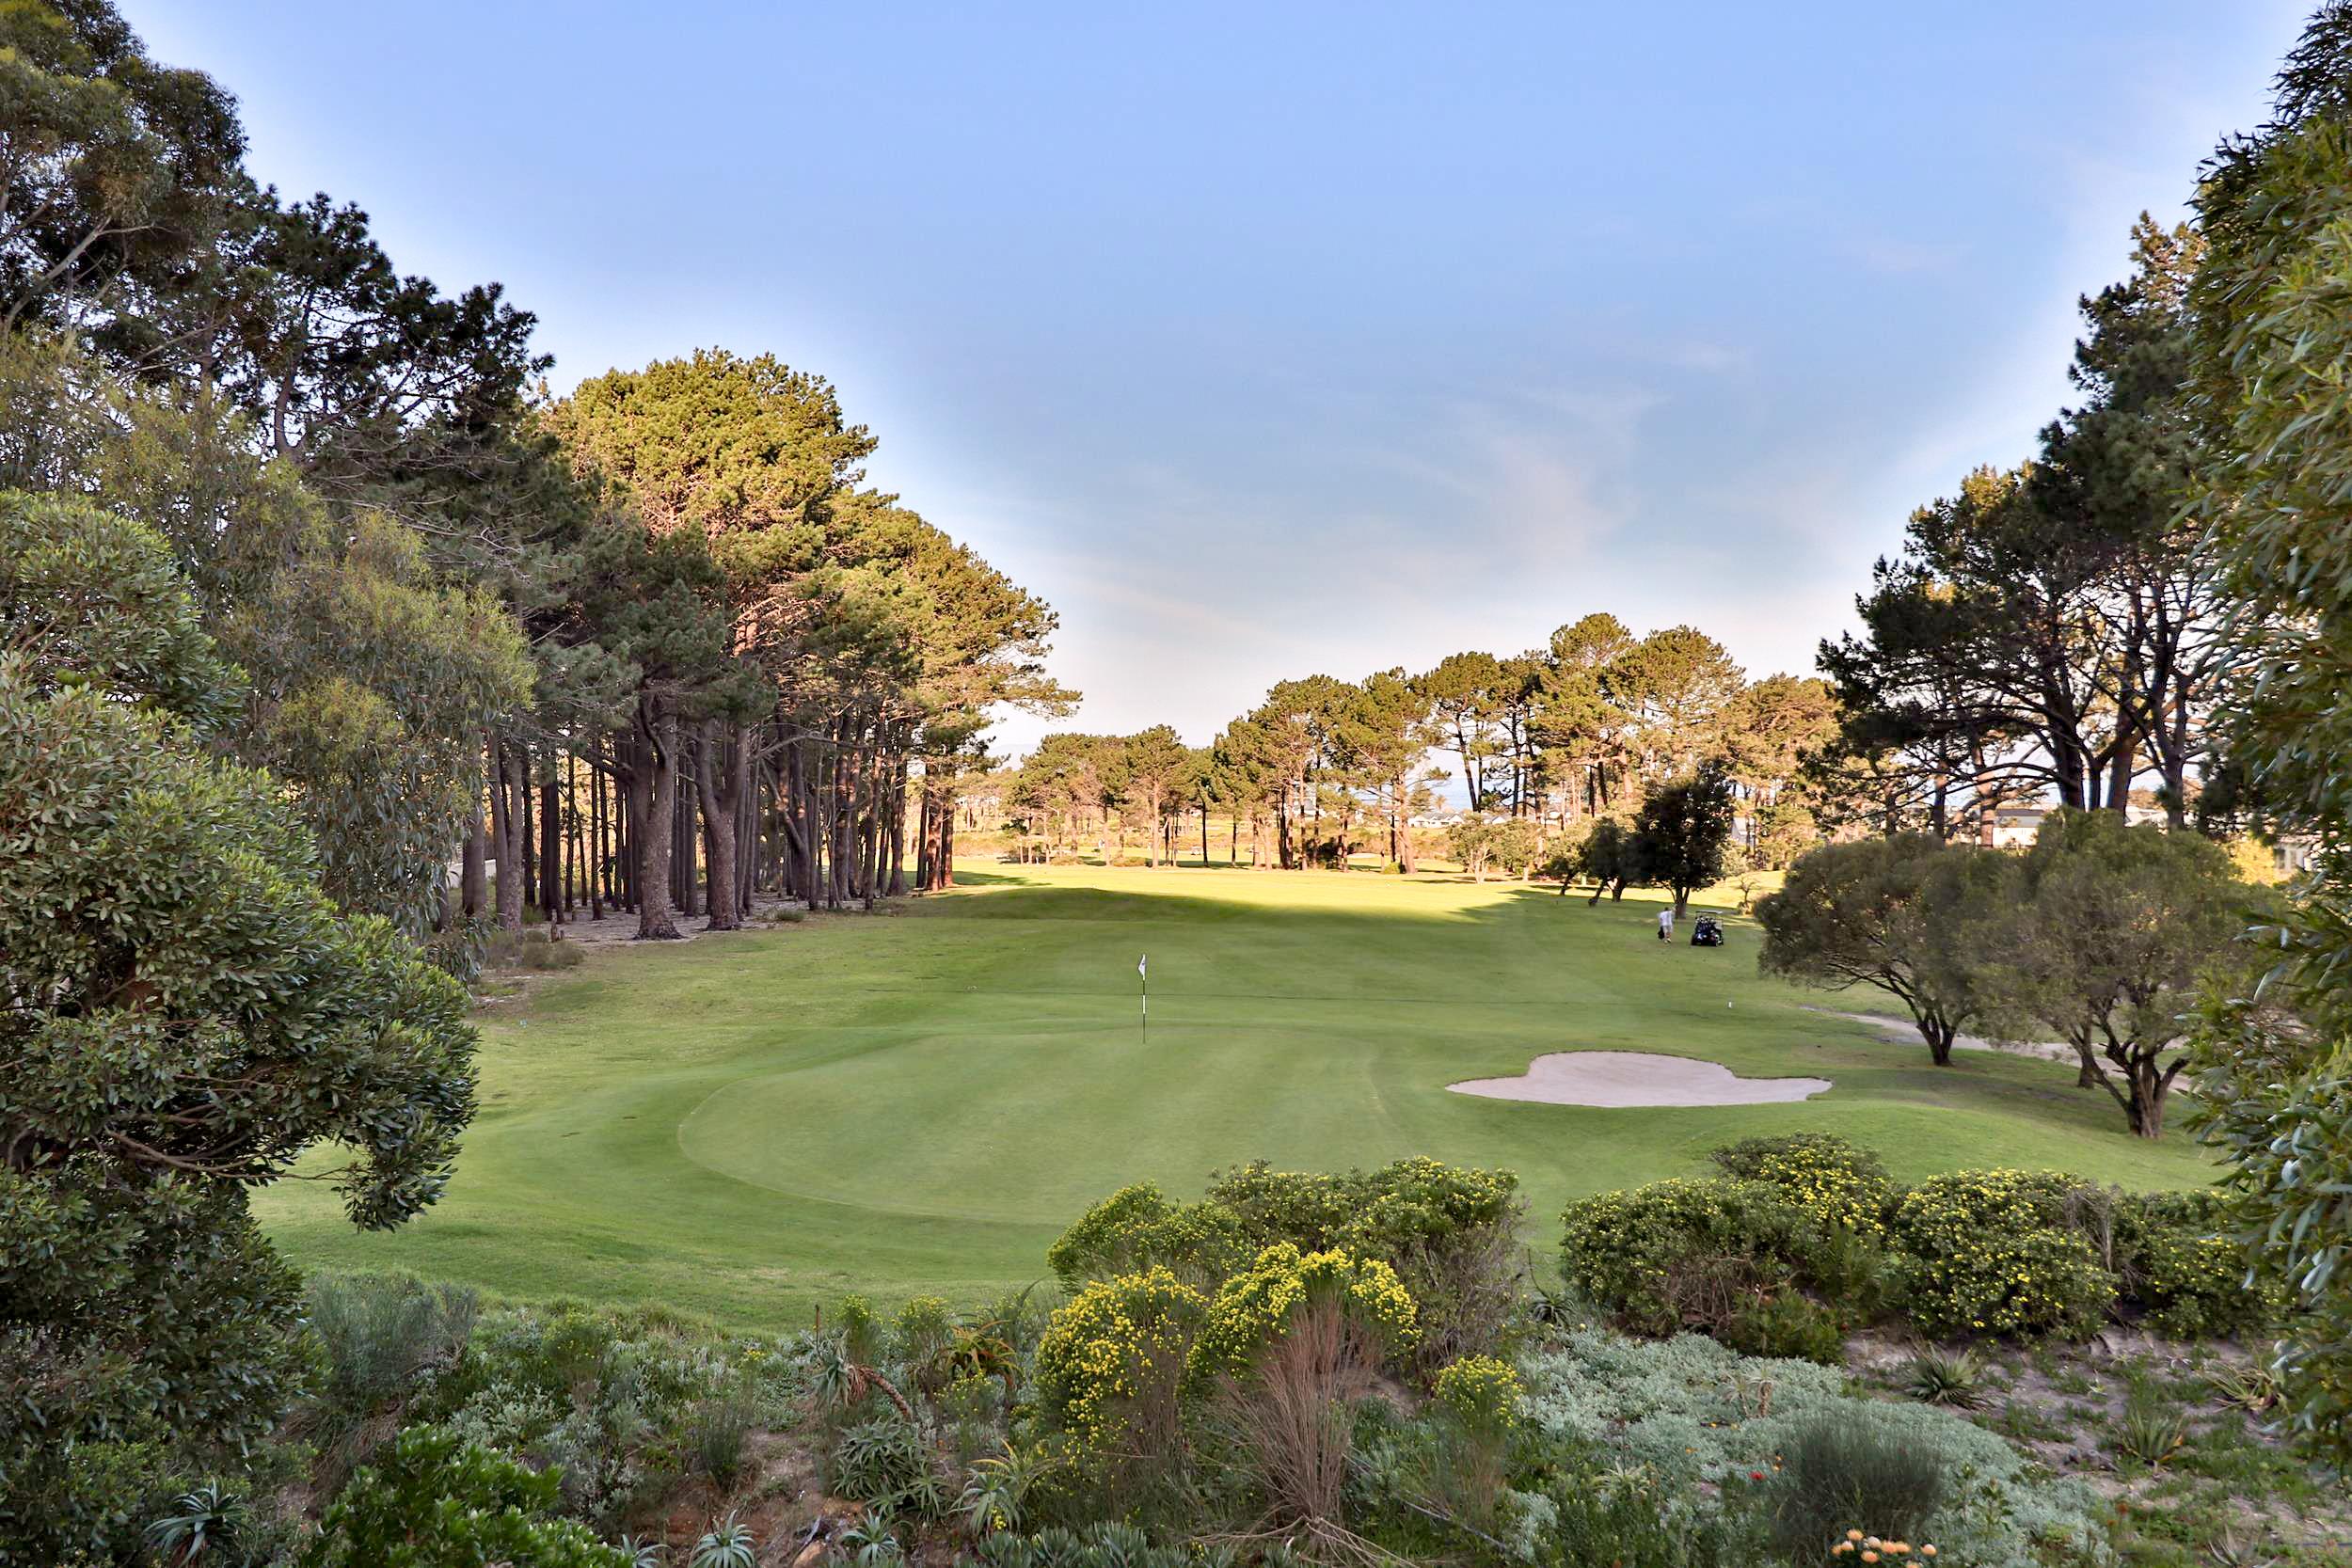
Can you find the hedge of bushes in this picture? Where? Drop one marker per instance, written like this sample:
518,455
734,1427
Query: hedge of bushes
1241,1383
1801,1239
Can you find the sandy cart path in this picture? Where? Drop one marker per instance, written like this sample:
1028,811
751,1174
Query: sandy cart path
1622,1078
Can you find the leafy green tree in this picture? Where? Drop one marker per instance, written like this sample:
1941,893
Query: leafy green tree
1297,724
2273,345
2119,470
1153,767
1065,786
1246,759
117,171
1685,829
185,1013
371,677
2110,933
1465,694
659,605
1681,683
751,458
1613,858
1519,843
364,377
1471,842
1383,735
432,1499
1905,914
1583,727
1989,652
373,683
1770,731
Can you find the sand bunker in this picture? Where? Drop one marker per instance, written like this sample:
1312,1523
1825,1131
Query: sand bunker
1637,1078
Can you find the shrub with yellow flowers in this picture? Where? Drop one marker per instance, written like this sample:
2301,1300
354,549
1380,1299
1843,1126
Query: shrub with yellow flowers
1831,1182
1256,1306
2185,1272
1992,1252
1450,1232
1480,1392
1111,1363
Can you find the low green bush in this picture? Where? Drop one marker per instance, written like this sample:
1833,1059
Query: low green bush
378,1334
1674,1413
1687,1253
2179,1266
434,1500
1842,1471
620,1405
533,949
1140,1228
1595,1517
1114,1545
1789,1326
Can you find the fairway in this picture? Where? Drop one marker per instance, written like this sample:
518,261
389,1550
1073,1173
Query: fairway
918,1102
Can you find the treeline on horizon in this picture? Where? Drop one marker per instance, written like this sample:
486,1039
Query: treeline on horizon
1582,729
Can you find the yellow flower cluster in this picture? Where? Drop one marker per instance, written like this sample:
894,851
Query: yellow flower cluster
1481,1390
1982,1254
1830,1190
1120,1342
1254,1307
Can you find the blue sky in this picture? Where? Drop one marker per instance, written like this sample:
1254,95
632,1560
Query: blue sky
1271,340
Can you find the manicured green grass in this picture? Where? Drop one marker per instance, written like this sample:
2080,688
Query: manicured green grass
919,1101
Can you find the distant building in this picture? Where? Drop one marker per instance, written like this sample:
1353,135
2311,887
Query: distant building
2293,854
2014,827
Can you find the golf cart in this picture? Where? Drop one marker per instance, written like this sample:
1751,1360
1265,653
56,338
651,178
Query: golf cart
1707,932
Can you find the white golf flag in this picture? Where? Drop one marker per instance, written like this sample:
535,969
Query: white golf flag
1140,963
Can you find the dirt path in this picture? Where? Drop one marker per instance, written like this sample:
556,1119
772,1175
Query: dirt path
1902,1030
622,926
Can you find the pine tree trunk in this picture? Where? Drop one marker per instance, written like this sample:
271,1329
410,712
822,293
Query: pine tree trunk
595,869
718,823
898,885
946,845
506,828
473,877
654,807
550,845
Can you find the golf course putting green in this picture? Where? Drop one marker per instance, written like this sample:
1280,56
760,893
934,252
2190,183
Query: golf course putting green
917,1102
